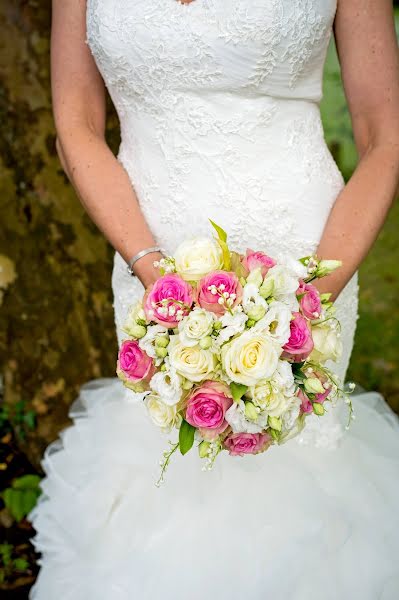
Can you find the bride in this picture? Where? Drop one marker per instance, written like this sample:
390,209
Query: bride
218,102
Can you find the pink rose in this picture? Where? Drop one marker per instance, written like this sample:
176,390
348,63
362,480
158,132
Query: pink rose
247,443
321,397
206,408
306,405
254,260
214,287
310,303
300,343
168,299
133,363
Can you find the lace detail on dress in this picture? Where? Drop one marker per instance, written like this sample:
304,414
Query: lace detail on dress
218,105
305,29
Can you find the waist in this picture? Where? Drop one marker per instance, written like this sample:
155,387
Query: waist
263,158
190,118
246,142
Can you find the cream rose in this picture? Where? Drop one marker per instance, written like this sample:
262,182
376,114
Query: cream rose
197,257
163,415
327,345
192,362
198,324
271,400
250,357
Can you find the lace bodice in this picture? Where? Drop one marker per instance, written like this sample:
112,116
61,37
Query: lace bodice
218,103
270,47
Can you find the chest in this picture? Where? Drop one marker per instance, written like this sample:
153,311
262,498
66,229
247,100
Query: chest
208,43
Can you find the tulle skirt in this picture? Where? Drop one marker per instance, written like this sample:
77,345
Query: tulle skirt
296,523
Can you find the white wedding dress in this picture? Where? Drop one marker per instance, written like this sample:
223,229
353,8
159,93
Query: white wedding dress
218,103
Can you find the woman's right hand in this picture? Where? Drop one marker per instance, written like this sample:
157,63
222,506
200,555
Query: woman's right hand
145,270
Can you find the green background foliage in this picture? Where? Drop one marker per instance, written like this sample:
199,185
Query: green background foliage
56,320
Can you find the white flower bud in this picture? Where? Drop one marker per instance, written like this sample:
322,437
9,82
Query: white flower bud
206,342
138,331
313,385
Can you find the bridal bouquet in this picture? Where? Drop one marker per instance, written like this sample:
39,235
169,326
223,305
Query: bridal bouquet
231,350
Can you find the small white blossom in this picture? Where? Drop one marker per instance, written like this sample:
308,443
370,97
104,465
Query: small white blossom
232,324
147,343
276,322
292,413
235,416
167,384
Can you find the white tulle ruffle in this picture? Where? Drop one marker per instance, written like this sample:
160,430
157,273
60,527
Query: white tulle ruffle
296,523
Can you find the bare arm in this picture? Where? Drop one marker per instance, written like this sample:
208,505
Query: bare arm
100,181
368,53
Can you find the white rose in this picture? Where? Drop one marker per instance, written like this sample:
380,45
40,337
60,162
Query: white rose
197,257
163,415
276,322
235,416
232,323
198,324
250,357
168,385
327,345
192,362
273,402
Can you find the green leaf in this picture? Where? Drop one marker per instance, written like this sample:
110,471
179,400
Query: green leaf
186,437
30,419
275,434
21,564
13,499
237,390
21,498
6,552
222,239
237,266
296,369
299,375
26,482
29,499
221,232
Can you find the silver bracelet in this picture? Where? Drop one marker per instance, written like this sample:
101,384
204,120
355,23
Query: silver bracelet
139,255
